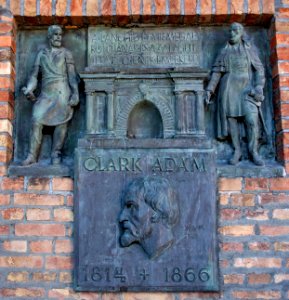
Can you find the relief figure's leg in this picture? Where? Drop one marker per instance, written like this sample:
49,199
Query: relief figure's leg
58,142
252,124
35,143
235,136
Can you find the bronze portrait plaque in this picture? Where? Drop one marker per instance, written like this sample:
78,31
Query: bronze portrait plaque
146,219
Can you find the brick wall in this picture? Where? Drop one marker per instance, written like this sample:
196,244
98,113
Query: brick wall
36,214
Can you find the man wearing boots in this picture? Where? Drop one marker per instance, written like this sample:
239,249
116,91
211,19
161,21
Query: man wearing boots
241,76
59,93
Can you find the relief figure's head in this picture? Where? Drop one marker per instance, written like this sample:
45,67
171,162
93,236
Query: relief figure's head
149,212
54,35
236,33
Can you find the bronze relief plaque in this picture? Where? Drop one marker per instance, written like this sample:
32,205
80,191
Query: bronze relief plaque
146,218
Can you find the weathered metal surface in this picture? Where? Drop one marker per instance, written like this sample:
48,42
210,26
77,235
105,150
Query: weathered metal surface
145,218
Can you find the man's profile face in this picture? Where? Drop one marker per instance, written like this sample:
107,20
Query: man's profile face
56,38
135,219
235,34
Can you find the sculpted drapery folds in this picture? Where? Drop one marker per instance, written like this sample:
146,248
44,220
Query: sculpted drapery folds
59,93
240,73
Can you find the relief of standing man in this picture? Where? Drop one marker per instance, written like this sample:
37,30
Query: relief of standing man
59,93
240,73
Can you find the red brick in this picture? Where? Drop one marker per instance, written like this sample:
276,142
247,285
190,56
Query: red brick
10,183
259,246
5,82
232,247
4,200
5,156
6,96
45,7
230,214
145,296
30,8
284,95
39,230
15,246
30,262
106,8
274,199
274,230
206,11
60,8
237,11
256,184
38,184
63,215
5,67
257,262
281,26
234,278
243,199
41,246
5,28
92,8
122,8
190,7
224,199
6,41
281,277
282,38
268,7
23,292
6,126
37,214
58,263
279,184
69,200
221,10
196,296
253,7
4,230
237,230
65,277
76,8
135,7
6,141
147,8
257,295
62,184
175,7
45,277
230,184
37,199
59,293
160,7
283,67
283,12
281,214
18,276
282,54
259,214
281,246
63,246
13,214
15,7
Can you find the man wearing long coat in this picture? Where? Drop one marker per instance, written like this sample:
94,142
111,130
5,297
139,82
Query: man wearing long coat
241,76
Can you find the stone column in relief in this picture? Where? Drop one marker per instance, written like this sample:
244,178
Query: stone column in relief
185,112
95,113
200,109
180,121
110,112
